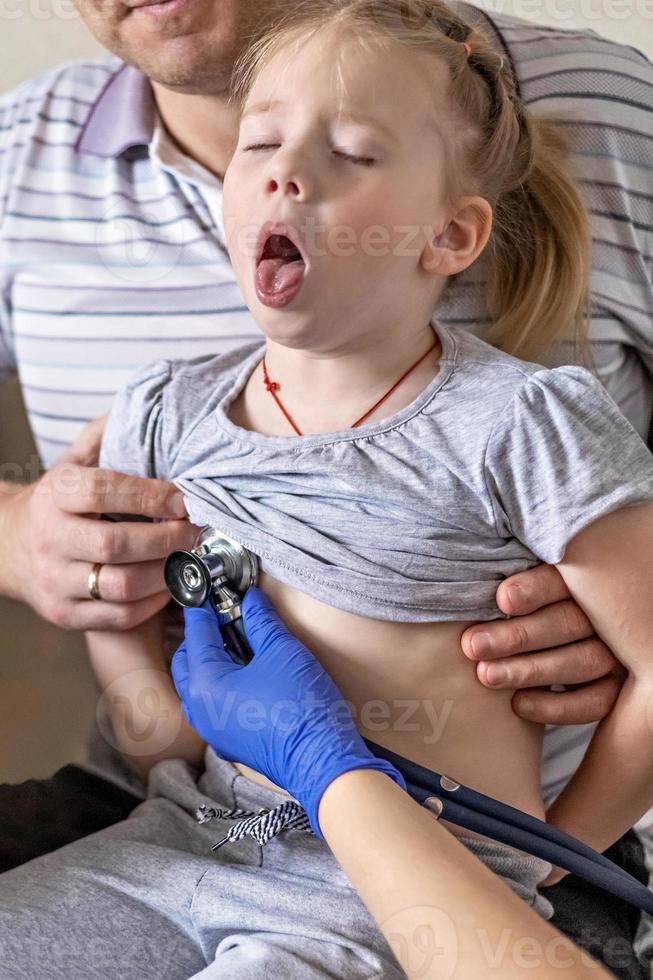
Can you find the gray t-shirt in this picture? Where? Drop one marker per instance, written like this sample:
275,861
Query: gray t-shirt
493,468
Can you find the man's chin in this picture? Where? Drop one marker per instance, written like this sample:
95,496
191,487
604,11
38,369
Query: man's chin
180,66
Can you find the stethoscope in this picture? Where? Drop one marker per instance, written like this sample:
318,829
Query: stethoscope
220,569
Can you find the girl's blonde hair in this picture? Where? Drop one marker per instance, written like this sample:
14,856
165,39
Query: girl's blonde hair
537,291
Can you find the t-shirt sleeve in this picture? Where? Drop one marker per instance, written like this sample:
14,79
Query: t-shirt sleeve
133,440
561,455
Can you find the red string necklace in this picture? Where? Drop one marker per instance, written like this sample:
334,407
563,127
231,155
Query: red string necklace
273,388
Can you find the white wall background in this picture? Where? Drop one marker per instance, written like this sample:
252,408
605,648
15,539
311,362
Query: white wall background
35,34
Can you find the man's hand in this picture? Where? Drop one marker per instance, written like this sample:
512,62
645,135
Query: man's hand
550,642
52,536
86,448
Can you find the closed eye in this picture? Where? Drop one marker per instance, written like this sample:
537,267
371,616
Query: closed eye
261,146
361,161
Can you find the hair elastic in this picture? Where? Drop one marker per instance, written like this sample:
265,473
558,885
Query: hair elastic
467,47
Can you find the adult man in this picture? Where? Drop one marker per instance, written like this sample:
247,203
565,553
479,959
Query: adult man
97,163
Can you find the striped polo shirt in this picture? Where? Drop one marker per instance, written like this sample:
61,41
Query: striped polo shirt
112,249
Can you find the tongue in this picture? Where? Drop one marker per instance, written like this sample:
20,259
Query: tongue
278,275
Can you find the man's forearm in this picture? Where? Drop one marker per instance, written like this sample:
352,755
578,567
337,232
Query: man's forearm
613,786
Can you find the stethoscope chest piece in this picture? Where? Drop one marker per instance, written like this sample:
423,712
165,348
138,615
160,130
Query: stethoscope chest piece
215,561
221,569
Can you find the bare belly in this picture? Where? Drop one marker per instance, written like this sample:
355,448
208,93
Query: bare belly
414,691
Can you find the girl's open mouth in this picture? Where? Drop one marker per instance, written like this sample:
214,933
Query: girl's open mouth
280,269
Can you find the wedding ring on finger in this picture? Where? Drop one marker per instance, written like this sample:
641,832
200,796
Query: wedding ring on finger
94,581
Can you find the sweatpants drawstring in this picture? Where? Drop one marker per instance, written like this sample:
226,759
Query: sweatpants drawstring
262,825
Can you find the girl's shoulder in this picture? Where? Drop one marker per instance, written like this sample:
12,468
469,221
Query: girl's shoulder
165,400
483,375
186,373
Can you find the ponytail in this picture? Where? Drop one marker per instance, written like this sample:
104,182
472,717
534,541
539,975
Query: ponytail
539,253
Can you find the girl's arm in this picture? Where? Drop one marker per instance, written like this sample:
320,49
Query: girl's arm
441,910
141,699
608,568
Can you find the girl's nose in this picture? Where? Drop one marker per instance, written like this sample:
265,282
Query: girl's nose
291,186
288,180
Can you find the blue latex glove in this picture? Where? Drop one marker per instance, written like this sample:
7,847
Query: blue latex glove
281,714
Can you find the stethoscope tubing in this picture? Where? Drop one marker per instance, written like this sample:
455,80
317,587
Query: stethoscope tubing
476,811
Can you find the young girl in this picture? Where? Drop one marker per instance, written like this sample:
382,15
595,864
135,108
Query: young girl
389,471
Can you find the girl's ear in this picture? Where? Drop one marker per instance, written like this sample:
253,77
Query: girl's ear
461,241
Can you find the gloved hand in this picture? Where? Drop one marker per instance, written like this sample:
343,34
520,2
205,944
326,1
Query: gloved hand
281,714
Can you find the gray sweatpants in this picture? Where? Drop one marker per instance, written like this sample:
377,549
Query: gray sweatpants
147,898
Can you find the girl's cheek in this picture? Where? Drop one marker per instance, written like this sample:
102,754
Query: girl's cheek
360,215
379,232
